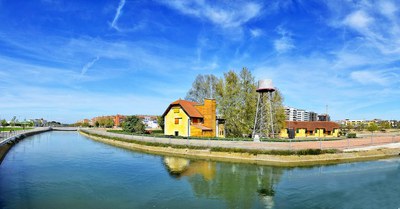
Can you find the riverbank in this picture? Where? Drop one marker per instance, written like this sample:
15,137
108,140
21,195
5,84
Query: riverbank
7,143
261,159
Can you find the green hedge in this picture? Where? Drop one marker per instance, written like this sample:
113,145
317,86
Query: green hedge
351,135
223,149
161,135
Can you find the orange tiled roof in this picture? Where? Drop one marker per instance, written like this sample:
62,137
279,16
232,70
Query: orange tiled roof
187,106
312,125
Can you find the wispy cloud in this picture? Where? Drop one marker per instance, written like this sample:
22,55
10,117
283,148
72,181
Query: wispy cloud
48,103
285,43
256,32
377,22
209,67
118,14
88,66
226,16
358,20
369,77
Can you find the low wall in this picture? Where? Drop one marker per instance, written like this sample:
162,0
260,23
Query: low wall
261,159
14,137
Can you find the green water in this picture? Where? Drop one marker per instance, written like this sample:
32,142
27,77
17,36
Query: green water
67,170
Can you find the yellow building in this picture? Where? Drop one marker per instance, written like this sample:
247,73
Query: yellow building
186,118
311,129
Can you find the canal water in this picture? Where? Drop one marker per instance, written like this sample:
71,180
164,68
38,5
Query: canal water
68,170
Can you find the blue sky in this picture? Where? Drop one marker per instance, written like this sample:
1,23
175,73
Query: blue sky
68,60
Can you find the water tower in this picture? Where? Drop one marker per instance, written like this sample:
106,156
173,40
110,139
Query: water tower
265,90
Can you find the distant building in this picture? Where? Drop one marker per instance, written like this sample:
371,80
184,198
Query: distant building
38,122
294,114
352,122
291,113
324,117
313,116
150,121
302,115
118,120
186,118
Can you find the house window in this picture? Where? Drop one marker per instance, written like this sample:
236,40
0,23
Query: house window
176,110
176,120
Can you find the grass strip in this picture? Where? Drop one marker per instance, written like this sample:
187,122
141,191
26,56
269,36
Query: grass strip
160,134
223,149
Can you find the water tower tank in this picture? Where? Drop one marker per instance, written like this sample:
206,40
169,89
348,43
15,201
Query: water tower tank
265,86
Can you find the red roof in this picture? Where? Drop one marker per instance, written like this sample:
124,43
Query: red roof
187,106
312,125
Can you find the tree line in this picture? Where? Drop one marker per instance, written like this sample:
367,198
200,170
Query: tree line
236,98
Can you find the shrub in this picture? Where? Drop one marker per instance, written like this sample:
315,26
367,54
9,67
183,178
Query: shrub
133,124
351,135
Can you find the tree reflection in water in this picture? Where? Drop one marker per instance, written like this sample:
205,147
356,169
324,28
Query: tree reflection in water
240,185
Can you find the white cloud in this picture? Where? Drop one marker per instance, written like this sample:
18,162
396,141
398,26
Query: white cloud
387,8
211,66
377,22
285,42
256,32
53,104
358,20
88,66
118,14
367,77
231,15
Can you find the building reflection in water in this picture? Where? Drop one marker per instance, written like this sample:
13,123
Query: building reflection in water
179,167
239,185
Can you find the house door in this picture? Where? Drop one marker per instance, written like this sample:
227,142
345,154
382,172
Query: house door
176,133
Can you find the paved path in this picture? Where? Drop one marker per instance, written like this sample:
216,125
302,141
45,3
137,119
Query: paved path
5,137
337,144
383,146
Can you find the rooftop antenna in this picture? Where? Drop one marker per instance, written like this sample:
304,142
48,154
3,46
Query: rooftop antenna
326,110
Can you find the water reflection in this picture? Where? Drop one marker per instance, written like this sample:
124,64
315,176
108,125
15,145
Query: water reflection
179,167
239,185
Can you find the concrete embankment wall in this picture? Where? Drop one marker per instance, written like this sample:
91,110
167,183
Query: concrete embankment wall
7,143
262,159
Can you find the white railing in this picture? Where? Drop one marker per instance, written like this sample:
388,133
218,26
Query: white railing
7,136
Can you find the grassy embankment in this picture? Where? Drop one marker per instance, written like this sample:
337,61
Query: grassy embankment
223,149
14,128
160,134
308,157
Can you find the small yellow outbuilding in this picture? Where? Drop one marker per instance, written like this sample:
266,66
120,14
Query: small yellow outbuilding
311,129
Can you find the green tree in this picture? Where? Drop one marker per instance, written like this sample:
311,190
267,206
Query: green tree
385,125
109,122
236,99
13,119
278,111
160,121
4,123
97,124
372,127
203,87
133,124
229,103
247,101
85,124
349,126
